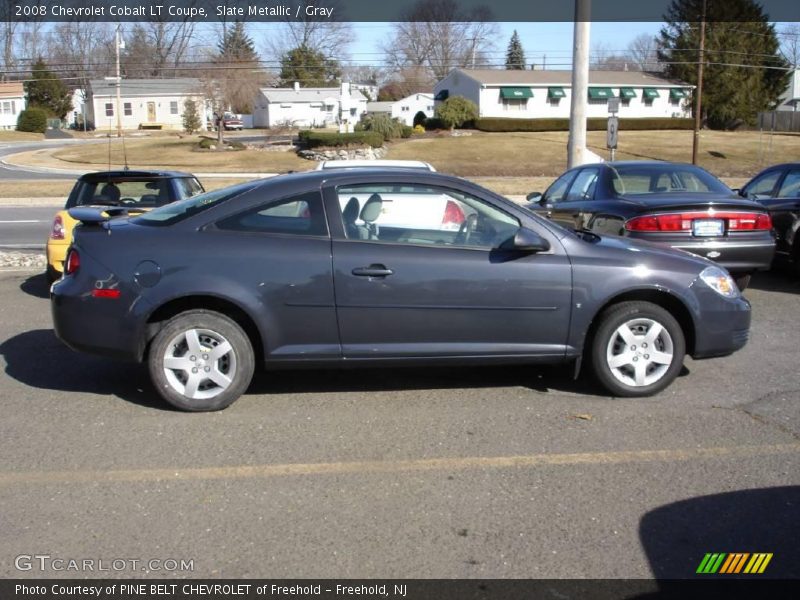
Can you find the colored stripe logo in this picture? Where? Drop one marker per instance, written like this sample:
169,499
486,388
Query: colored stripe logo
734,563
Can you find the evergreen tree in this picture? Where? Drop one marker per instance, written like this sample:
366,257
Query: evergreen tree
191,117
308,67
237,45
47,91
743,70
237,72
515,55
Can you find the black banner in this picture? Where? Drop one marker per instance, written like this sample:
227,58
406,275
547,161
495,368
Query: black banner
399,589
217,11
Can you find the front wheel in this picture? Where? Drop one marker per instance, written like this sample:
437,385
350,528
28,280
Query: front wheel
201,361
637,350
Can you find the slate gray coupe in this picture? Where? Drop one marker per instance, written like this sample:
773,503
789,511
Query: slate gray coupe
297,271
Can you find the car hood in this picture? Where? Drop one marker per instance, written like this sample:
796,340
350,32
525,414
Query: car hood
641,250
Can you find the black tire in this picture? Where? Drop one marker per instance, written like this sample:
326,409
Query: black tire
742,281
176,341
607,343
51,274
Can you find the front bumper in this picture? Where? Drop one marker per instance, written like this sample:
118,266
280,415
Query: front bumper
723,324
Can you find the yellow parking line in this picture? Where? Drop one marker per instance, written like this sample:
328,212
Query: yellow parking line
391,466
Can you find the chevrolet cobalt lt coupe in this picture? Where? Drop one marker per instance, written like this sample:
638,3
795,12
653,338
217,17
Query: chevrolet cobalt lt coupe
284,272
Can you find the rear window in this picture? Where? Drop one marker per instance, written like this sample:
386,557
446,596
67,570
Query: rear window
183,209
664,179
146,193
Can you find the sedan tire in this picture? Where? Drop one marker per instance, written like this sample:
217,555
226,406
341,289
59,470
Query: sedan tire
201,361
637,350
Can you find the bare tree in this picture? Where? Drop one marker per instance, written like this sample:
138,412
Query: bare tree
77,49
643,52
318,34
440,36
790,44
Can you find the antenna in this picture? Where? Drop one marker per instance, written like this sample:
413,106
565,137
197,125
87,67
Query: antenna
124,152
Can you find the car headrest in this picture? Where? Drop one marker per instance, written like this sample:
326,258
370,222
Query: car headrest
372,209
350,212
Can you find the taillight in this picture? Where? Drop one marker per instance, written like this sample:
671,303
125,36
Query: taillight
73,262
736,221
453,215
57,233
112,293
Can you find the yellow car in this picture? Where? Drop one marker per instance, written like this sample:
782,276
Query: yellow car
136,190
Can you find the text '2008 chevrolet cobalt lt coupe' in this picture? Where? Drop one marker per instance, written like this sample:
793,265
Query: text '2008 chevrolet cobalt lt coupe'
300,270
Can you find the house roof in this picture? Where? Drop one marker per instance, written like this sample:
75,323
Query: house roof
11,89
147,87
564,78
379,106
300,95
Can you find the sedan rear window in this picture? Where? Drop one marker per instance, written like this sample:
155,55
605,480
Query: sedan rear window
664,179
183,209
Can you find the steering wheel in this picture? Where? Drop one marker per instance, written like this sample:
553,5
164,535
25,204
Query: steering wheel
466,229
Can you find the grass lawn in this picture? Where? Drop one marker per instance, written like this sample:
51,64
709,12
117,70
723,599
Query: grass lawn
178,153
726,154
10,135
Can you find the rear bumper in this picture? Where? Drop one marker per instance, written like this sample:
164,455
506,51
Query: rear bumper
738,256
57,254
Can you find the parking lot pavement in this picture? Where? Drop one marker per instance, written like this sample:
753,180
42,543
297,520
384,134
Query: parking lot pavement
497,472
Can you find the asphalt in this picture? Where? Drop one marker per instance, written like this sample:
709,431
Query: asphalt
25,227
8,171
454,473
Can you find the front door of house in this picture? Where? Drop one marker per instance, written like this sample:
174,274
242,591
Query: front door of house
151,112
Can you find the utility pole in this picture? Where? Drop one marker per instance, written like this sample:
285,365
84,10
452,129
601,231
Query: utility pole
576,146
119,83
698,105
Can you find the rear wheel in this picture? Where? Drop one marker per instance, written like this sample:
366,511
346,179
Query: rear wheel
637,350
201,361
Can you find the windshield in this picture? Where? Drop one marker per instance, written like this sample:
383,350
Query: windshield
177,211
664,179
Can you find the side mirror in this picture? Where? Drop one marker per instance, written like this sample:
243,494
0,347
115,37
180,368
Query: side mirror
534,197
529,241
737,191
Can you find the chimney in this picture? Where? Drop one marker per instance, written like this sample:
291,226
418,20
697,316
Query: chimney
296,86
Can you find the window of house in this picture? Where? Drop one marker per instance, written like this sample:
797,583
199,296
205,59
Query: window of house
173,107
297,215
515,104
7,108
598,100
127,109
554,101
625,101
109,109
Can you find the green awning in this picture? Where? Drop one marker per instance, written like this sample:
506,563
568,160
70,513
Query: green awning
627,93
650,93
556,92
516,92
600,93
677,94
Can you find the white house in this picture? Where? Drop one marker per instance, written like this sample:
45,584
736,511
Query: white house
12,102
790,99
404,109
144,103
370,89
308,107
548,94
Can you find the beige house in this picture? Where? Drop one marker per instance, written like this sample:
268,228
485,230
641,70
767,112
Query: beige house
144,103
12,102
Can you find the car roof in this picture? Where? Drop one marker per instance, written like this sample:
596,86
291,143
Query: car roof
372,164
128,174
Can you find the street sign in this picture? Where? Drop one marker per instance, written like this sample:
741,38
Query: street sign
613,106
612,128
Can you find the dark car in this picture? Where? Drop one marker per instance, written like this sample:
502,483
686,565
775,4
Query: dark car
778,189
294,271
678,205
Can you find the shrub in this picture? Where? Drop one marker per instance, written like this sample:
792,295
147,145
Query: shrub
455,111
420,118
191,117
316,139
434,123
406,131
388,127
498,124
419,129
32,119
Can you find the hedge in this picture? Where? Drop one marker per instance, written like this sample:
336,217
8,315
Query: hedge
316,139
32,119
592,124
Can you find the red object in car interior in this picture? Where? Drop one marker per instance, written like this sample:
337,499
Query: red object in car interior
453,215
57,233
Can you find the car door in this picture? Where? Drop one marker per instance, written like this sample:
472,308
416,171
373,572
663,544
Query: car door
403,293
784,207
574,209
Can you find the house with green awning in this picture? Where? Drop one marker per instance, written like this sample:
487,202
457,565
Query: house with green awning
547,94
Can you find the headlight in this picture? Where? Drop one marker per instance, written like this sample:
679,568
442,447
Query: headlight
719,280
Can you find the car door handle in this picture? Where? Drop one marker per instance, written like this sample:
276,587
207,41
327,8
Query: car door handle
372,271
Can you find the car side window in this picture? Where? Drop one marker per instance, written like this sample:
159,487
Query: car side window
558,189
763,185
582,187
297,215
790,188
421,214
